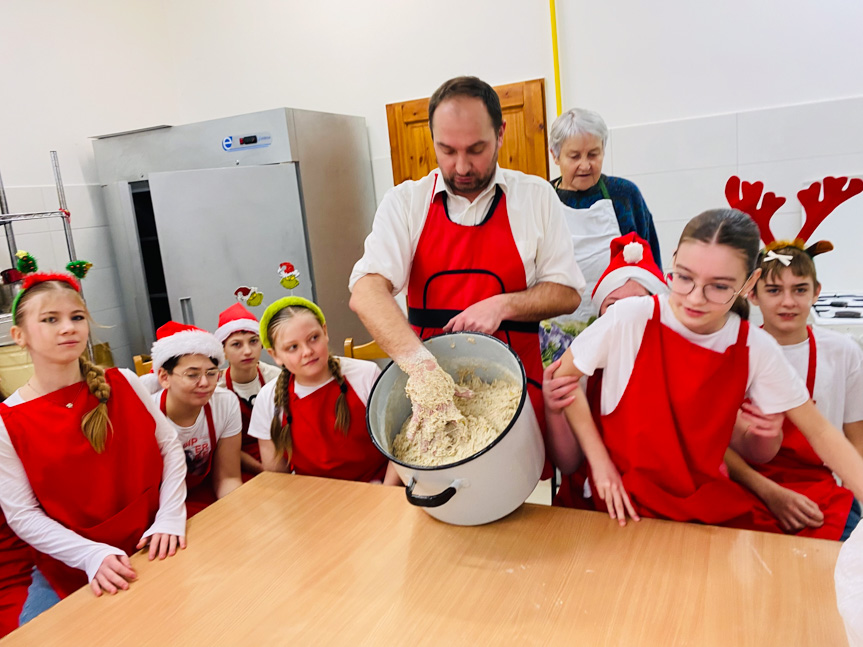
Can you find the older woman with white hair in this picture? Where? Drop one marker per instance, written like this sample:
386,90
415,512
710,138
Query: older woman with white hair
598,208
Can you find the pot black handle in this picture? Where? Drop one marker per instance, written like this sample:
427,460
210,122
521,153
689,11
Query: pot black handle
429,500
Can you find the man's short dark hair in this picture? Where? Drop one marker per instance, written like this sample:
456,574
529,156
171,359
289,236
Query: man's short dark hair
468,86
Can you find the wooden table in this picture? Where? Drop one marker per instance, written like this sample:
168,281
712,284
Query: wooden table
291,560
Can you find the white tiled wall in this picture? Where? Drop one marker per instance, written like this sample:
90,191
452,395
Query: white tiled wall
46,241
681,166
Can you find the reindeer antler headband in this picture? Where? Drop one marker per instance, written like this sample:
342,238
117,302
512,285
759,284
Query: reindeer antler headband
747,196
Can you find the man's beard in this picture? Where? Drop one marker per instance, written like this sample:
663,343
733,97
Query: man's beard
477,184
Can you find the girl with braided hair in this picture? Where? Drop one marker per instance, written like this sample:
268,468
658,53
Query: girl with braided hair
90,471
312,419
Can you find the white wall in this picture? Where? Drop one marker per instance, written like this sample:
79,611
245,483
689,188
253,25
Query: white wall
347,56
639,62
70,70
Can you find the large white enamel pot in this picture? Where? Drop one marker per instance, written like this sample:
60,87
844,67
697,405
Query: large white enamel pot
492,482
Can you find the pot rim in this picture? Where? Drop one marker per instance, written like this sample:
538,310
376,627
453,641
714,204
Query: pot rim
500,436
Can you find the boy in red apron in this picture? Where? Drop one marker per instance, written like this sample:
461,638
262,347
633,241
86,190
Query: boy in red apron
312,420
238,332
632,272
82,497
676,370
207,419
796,487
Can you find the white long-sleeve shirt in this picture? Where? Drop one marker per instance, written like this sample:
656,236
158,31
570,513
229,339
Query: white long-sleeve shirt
27,518
535,216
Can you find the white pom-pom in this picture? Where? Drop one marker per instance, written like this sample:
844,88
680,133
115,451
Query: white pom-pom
633,252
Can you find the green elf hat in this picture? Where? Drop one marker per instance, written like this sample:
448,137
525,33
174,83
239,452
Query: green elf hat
281,304
29,268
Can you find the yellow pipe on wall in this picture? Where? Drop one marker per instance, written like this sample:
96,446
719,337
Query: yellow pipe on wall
556,57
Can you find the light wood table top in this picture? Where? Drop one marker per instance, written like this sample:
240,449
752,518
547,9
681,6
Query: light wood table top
307,561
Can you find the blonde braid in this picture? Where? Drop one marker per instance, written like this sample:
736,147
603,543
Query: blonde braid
95,424
343,413
281,434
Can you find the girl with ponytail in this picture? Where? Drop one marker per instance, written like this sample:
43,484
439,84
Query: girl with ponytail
90,471
312,419
676,370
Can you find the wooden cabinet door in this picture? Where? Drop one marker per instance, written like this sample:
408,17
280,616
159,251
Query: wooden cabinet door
525,143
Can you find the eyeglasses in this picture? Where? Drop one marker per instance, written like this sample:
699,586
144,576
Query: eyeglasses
718,293
193,377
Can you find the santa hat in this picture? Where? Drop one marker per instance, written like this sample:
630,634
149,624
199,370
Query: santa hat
176,339
235,319
631,258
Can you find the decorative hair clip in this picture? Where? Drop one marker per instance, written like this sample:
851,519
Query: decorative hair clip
747,196
785,259
249,296
288,275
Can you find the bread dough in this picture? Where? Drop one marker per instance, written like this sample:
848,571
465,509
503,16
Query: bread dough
437,434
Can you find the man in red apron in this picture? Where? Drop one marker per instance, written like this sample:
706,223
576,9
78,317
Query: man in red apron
478,248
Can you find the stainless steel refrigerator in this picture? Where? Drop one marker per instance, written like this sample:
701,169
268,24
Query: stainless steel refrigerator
200,210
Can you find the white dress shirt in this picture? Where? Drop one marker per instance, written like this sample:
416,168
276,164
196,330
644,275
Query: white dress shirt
535,216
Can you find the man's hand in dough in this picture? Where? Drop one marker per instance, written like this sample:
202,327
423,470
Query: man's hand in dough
483,316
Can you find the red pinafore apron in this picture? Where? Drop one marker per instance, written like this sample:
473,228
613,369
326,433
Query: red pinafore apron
199,487
456,266
250,443
668,435
797,467
110,497
16,567
319,449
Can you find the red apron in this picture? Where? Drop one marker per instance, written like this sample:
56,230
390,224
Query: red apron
797,467
199,487
319,449
456,266
16,567
668,435
250,443
112,497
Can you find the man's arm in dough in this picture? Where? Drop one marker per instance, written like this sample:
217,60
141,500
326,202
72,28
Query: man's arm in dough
541,301
372,299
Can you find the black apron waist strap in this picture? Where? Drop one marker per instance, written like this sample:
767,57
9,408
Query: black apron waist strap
438,318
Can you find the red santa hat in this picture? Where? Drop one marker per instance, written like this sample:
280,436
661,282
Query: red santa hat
631,258
237,318
176,339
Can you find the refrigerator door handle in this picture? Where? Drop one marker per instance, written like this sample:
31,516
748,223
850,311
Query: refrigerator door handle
186,310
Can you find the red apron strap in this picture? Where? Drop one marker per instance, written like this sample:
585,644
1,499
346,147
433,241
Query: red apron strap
228,382
211,428
163,402
261,377
813,361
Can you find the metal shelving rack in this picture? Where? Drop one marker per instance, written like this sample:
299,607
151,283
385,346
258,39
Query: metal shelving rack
6,219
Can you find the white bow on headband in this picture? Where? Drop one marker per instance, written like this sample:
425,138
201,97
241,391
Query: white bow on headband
785,259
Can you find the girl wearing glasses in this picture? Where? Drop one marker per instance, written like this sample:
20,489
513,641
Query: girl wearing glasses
186,360
90,471
675,371
312,420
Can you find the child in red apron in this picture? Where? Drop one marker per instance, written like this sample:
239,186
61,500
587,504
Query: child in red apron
82,496
796,487
238,332
312,420
632,272
207,418
676,370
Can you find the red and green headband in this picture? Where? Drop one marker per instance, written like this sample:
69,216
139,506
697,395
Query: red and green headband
27,266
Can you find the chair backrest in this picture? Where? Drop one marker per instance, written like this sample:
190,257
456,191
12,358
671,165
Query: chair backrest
143,364
370,350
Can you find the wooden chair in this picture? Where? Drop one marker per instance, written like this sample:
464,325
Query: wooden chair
370,350
143,364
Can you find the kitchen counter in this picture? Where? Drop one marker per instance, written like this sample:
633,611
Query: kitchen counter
300,560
